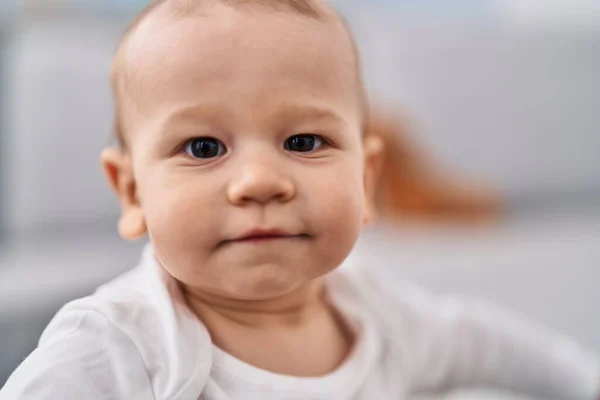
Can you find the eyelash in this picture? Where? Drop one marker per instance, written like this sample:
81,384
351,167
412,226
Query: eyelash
324,143
317,138
221,149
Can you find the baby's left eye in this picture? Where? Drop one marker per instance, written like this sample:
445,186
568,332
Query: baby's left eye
304,143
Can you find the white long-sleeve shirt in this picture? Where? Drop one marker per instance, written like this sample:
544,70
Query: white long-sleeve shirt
135,339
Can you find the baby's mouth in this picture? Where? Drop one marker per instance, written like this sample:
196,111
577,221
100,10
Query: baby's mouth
264,235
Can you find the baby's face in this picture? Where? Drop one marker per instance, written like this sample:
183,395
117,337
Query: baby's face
246,149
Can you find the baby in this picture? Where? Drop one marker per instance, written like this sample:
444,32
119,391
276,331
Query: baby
243,158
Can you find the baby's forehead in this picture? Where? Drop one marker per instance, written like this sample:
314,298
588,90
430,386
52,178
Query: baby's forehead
162,12
145,53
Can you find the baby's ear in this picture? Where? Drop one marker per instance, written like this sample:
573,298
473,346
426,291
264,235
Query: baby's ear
373,153
119,172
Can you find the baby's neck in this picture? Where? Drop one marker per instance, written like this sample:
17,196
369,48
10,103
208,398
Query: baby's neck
299,334
292,309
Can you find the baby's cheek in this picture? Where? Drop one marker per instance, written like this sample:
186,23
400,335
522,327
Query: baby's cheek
340,192
179,220
339,213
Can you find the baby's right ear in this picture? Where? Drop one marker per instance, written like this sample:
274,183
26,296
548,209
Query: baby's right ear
119,172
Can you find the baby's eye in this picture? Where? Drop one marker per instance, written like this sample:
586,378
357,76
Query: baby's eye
205,148
304,143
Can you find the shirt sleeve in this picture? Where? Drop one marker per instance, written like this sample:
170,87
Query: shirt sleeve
451,342
81,355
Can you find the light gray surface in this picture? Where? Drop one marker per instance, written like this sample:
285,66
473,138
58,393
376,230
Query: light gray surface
7,12
40,274
514,106
59,109
547,269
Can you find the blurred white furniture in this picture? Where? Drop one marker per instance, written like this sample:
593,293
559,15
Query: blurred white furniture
545,268
515,105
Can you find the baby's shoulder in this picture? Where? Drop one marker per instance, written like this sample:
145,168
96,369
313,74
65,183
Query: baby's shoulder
391,300
135,327
127,303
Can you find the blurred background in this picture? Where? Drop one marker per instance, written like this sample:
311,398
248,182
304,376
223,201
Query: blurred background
502,92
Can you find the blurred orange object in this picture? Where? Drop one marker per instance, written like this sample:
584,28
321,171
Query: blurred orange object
412,187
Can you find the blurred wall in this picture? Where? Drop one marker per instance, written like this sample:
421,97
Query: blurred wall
7,11
60,118
517,106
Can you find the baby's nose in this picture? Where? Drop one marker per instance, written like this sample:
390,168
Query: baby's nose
261,182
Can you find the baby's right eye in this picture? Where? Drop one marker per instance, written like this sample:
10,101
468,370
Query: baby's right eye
204,148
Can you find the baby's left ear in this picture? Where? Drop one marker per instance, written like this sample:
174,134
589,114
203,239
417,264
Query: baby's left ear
374,157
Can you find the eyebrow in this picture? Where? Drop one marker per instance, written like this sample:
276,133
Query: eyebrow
216,112
204,111
312,111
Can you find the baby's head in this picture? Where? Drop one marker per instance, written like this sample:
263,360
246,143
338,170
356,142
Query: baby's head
243,155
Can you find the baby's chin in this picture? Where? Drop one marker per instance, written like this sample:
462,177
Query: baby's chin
268,281
252,272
